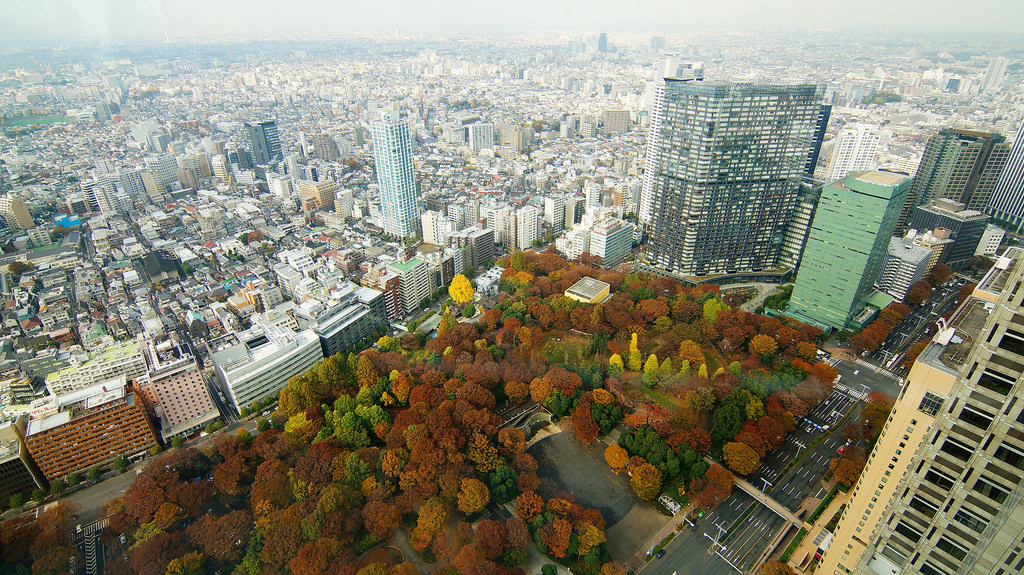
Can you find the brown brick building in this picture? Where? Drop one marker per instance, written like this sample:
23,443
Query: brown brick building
90,427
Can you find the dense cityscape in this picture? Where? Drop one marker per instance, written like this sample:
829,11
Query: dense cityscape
528,303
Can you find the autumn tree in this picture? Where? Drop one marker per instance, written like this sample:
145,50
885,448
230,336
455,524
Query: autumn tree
846,470
473,496
690,353
918,293
381,518
615,366
646,481
461,290
763,346
939,274
585,428
740,457
713,488
529,505
366,373
616,457
635,359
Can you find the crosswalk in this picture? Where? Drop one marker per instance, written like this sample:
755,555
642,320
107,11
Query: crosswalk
865,363
858,394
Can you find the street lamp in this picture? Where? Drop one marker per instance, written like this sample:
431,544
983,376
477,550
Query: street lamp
766,484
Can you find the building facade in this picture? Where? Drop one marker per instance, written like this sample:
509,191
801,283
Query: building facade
941,492
729,160
966,226
904,265
611,240
1007,204
264,142
847,244
856,148
392,152
959,165
90,427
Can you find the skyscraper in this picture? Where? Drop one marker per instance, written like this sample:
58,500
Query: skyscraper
15,212
392,152
992,81
959,165
265,142
726,165
941,492
602,42
856,148
676,71
846,247
1007,203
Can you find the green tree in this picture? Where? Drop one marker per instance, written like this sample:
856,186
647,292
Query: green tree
177,441
74,478
615,366
16,500
94,473
120,463
651,370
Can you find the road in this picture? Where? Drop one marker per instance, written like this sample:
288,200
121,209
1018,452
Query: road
691,552
914,326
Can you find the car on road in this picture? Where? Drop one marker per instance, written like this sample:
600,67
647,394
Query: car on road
856,372
660,554
841,450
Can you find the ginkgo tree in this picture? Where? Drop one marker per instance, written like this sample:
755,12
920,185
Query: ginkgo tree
461,290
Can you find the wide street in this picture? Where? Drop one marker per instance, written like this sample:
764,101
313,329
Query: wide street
691,552
914,326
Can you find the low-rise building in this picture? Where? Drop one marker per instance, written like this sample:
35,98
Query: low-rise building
589,290
904,265
87,369
88,427
257,363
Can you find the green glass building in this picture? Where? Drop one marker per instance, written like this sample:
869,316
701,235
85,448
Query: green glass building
849,236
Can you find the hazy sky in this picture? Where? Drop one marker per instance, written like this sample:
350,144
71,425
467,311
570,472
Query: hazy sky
113,20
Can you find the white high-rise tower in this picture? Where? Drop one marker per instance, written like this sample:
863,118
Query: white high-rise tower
856,149
392,151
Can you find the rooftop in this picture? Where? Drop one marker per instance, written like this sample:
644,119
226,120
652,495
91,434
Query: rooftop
588,288
882,178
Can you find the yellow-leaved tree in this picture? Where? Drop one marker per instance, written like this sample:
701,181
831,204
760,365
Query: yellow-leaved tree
461,290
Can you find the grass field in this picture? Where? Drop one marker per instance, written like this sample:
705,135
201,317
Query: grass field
37,121
565,347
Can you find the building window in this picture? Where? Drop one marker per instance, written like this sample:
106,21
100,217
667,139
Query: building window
956,449
995,381
931,404
952,548
976,417
1010,455
990,490
970,520
940,479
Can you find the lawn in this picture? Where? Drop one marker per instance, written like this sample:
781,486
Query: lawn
566,347
37,121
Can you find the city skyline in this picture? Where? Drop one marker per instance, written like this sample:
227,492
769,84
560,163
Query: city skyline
118,20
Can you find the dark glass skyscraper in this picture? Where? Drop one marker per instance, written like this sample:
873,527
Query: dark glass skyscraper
726,167
265,142
958,165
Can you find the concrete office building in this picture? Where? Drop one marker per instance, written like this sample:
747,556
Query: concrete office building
966,226
941,491
18,473
257,363
714,211
88,427
855,148
554,212
611,240
264,142
527,227
413,283
959,165
174,388
15,212
847,244
990,241
479,242
992,81
351,315
321,193
481,136
615,121
904,265
88,369
1007,204
392,152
